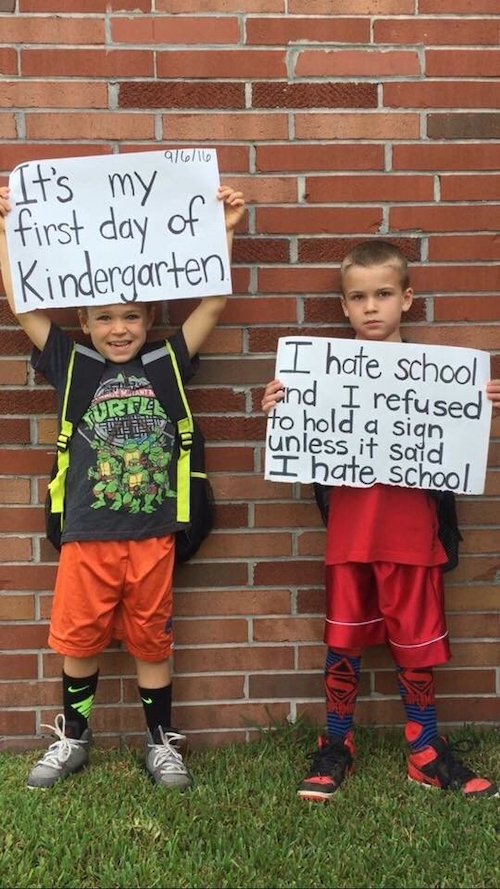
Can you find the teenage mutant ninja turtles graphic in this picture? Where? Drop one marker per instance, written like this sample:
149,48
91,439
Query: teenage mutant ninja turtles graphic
133,440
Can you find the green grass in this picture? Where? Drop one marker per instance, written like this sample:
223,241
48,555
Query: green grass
243,826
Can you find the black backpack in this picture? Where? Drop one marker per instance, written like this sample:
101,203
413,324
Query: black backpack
449,532
195,502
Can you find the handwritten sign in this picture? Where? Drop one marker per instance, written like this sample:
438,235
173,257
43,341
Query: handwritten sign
356,413
100,230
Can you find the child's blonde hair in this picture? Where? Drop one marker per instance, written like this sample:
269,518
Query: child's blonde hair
376,252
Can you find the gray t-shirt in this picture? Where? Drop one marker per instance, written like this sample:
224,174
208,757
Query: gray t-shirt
121,478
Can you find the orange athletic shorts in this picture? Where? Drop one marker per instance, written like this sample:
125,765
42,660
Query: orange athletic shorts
114,589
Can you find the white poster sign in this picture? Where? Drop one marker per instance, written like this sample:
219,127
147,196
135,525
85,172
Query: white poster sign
356,413
117,228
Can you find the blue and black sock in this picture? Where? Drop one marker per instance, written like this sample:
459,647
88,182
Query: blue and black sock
419,700
341,686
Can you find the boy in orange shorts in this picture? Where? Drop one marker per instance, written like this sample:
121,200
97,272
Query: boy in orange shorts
384,564
116,566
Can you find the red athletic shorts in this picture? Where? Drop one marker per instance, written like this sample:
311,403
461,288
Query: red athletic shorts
381,602
114,589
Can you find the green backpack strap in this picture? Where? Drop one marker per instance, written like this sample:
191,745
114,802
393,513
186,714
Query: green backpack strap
85,366
164,375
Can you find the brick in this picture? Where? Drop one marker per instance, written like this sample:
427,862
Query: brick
436,31
14,491
13,373
463,126
230,459
366,189
249,546
351,7
18,152
181,95
70,6
229,716
57,30
444,218
15,549
112,63
318,220
90,126
472,308
314,95
470,188
228,603
343,125
17,722
259,250
225,126
235,658
432,279
334,249
228,6
481,541
271,30
8,128
462,63
282,515
8,60
18,666
26,401
330,157
208,688
440,94
289,629
14,432
286,686
150,30
445,157
295,572
295,280
356,63
249,64
194,632
274,311
457,7
27,94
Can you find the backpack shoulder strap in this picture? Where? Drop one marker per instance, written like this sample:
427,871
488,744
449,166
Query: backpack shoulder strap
82,378
164,375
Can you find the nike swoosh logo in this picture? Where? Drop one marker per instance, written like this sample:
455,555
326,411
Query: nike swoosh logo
75,691
147,700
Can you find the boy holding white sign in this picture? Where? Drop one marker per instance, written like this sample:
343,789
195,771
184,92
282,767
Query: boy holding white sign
384,576
116,566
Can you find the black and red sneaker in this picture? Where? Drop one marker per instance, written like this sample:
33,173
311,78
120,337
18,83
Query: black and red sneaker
435,766
331,765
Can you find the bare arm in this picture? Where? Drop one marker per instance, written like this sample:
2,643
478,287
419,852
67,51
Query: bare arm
35,324
202,320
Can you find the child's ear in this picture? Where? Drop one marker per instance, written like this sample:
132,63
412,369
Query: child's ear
344,306
407,299
83,319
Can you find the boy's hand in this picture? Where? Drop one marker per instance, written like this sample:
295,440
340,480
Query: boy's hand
273,393
493,392
4,206
234,205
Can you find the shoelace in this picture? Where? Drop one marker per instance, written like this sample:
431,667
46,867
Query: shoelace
60,750
453,771
332,759
167,757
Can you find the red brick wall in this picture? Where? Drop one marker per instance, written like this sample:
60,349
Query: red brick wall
340,119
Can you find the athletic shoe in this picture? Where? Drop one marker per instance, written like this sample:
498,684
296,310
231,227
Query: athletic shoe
63,758
164,759
435,766
330,766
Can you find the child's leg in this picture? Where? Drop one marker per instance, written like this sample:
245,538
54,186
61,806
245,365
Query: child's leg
163,744
155,689
417,690
333,762
79,678
342,670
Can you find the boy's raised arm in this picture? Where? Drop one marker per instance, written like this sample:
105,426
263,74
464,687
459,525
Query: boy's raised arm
35,324
202,320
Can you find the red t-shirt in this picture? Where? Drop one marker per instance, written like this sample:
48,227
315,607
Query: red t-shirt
383,523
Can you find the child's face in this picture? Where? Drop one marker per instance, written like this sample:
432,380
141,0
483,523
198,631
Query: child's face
119,331
374,301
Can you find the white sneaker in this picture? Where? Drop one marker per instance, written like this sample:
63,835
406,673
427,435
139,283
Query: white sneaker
164,759
63,758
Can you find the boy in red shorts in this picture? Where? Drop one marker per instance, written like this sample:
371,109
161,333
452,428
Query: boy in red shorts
384,565
116,566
